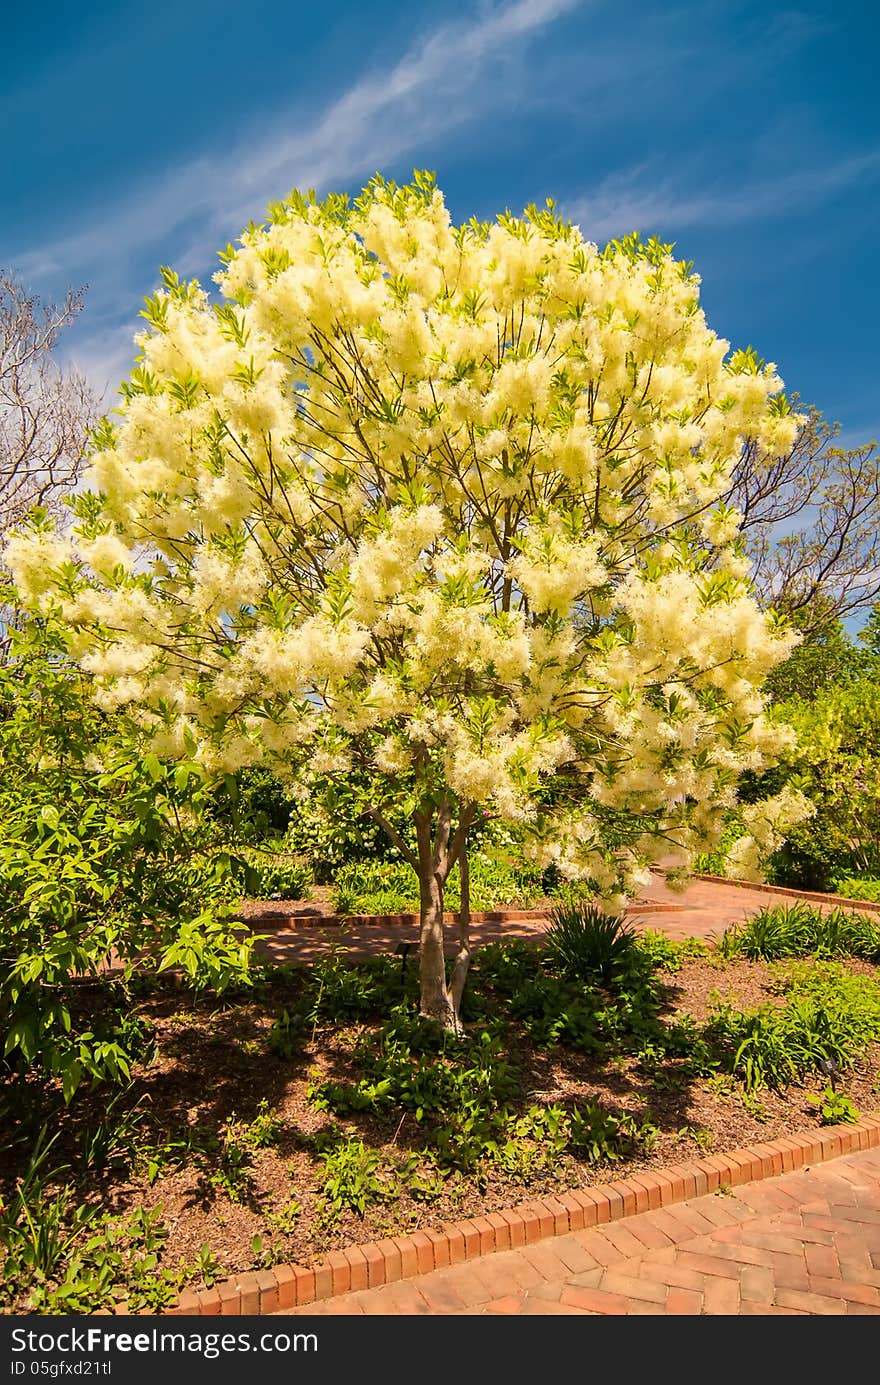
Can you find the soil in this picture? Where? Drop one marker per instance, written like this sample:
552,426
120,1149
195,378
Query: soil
214,1065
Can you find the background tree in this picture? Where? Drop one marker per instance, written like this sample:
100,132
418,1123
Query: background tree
438,510
811,524
46,410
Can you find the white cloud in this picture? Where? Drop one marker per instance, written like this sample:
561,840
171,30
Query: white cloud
379,119
446,79
638,199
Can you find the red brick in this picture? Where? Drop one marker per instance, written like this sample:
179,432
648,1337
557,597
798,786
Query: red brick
531,1224
424,1252
230,1299
471,1233
593,1300
697,1175
666,1187
486,1233
409,1259
375,1264
390,1253
268,1287
560,1215
546,1219
821,1261
622,1239
854,1293
651,1187
676,1276
286,1280
455,1237
764,1152
509,1305
627,1194
681,1188
209,1302
517,1230
501,1228
740,1166
646,1230
322,1276
574,1210
792,1153
357,1268
644,1287
684,1301
248,1288
610,1206
813,1303
716,1171
440,1241
713,1265
188,1304
720,1296
340,1271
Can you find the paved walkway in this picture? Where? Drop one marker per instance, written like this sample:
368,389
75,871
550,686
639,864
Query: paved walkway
807,1243
704,910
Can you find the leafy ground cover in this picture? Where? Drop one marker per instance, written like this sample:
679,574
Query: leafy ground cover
316,1109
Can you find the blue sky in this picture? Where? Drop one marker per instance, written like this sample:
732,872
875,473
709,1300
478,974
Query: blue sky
143,134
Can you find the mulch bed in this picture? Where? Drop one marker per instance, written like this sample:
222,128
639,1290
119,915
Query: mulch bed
214,1064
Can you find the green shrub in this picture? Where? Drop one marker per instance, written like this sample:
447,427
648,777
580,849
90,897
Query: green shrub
857,887
586,943
833,1108
663,953
802,930
601,1136
829,1018
390,887
270,874
104,851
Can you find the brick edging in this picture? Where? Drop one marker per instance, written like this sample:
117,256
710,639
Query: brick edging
403,1257
278,921
814,896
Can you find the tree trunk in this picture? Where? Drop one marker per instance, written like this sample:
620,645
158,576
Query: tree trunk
433,859
463,956
435,1001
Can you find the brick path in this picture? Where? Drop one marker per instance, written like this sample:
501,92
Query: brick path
806,1243
704,910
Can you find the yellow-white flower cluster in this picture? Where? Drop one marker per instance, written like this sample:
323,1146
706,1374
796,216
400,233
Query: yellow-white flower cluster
452,492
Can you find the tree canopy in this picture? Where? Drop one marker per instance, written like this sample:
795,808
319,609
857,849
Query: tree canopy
439,508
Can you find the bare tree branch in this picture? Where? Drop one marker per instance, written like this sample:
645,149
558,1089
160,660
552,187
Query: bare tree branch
811,521
46,410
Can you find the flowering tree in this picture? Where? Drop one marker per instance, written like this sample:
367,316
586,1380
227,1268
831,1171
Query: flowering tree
437,507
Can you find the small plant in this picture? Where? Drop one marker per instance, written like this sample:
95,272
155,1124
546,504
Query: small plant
829,1017
113,1141
668,954
600,1136
754,1106
233,1174
288,1034
285,1219
206,1270
267,873
42,1223
352,1180
833,1108
264,1130
588,944
699,1135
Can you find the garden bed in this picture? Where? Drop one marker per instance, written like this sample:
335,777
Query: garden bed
317,1111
